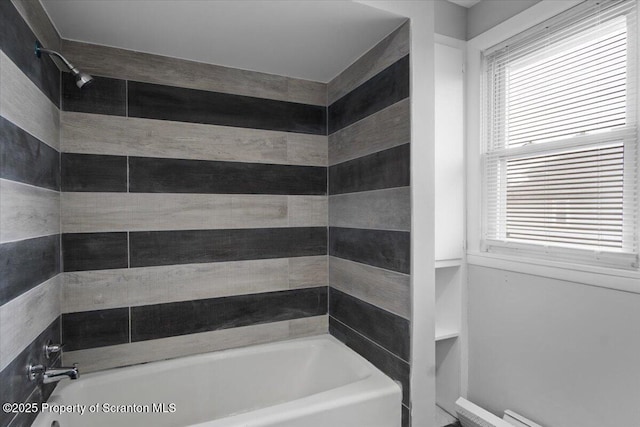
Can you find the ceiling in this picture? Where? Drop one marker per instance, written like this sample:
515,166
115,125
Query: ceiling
312,40
465,3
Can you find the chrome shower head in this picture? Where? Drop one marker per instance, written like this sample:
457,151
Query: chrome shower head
83,80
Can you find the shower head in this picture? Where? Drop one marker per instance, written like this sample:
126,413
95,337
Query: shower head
83,80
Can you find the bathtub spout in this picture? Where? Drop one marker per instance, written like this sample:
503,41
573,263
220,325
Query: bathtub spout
53,375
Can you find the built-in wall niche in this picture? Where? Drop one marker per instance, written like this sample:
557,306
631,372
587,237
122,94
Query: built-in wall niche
449,218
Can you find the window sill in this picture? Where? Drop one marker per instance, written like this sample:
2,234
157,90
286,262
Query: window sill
602,277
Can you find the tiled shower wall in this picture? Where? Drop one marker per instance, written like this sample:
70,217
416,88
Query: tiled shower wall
29,211
370,208
194,208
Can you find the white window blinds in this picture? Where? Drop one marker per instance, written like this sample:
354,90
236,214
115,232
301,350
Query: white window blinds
561,149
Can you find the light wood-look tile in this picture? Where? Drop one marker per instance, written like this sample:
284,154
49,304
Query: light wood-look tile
26,106
383,288
27,211
308,211
303,149
385,129
38,20
145,67
388,209
23,318
102,289
104,212
96,359
382,55
305,272
120,136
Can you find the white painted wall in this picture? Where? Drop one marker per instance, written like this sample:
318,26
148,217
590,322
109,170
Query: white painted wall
558,343
449,155
451,19
423,368
489,13
563,354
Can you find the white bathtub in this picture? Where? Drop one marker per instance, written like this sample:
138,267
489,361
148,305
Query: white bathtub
308,382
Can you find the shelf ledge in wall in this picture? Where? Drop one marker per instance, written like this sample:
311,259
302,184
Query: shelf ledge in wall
446,334
446,263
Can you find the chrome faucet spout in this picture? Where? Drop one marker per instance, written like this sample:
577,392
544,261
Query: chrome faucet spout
52,375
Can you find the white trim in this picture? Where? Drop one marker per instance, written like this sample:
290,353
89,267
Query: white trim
602,277
612,278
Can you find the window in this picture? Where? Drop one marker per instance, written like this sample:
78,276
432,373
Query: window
560,162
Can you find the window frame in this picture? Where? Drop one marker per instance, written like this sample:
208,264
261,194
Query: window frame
627,257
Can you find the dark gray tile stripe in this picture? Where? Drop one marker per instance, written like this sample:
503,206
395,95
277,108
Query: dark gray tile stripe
15,385
98,328
104,96
384,169
155,101
27,263
391,365
188,317
200,246
386,329
380,248
152,175
406,416
26,159
90,172
385,88
17,41
94,251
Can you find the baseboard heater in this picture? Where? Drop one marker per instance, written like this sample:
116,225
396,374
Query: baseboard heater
471,415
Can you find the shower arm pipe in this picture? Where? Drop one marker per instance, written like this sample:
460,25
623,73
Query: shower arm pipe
40,50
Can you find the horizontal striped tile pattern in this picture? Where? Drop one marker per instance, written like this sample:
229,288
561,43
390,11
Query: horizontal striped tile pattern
187,209
145,67
380,91
103,289
129,136
16,41
370,208
180,318
389,50
152,101
192,246
386,289
94,359
24,158
148,175
380,248
385,129
15,385
384,169
30,282
35,113
27,263
391,331
99,328
32,311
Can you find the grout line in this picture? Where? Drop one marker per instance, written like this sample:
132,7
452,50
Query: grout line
126,98
128,185
128,250
369,339
129,324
